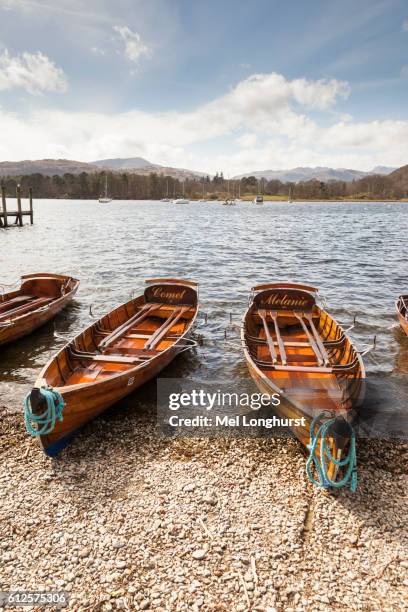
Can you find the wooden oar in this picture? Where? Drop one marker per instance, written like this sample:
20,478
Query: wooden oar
26,308
121,330
271,344
319,342
313,344
167,325
274,315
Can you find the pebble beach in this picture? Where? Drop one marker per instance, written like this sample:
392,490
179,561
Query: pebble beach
128,520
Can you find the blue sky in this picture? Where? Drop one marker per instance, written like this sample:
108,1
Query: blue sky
207,85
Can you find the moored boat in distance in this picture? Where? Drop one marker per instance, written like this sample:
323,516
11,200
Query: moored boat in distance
181,200
39,299
105,199
402,312
258,199
110,359
293,347
166,198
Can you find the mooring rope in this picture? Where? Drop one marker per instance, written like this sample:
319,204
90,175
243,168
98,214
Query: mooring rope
322,463
42,424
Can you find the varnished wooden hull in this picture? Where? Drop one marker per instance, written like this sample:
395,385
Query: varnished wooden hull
86,400
305,393
22,325
402,313
84,404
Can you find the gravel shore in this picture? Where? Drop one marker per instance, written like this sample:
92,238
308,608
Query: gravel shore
128,520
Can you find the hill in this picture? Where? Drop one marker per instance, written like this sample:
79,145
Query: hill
399,178
49,167
58,167
139,165
320,173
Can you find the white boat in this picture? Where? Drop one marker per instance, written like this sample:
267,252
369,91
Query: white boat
166,199
182,200
258,199
105,199
290,199
229,201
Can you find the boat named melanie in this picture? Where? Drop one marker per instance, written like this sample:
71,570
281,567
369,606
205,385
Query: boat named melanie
293,347
110,359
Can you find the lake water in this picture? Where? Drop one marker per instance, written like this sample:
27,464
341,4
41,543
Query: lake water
355,253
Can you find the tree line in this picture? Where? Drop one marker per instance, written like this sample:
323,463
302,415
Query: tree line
155,186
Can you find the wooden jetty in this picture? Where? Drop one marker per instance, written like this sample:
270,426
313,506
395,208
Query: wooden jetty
17,214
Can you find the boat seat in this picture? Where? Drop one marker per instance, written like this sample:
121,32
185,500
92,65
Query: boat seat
288,343
293,368
118,358
133,336
107,358
130,352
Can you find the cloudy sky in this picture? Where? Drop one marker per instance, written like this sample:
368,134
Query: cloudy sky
209,85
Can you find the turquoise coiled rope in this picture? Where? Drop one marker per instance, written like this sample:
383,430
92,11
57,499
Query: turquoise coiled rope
42,424
321,463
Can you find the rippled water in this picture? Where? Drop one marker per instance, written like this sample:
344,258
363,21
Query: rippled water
355,253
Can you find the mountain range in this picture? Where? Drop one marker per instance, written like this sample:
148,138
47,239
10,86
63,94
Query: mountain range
139,165
52,167
320,173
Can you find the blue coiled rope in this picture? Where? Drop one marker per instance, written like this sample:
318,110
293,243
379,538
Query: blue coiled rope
42,424
322,463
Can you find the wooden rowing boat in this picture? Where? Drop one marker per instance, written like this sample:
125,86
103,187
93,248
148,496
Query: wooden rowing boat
116,355
40,297
402,311
293,347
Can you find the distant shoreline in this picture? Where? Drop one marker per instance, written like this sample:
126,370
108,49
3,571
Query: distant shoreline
249,200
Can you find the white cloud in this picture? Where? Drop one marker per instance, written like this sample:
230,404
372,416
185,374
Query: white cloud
135,48
247,140
405,25
34,72
261,123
